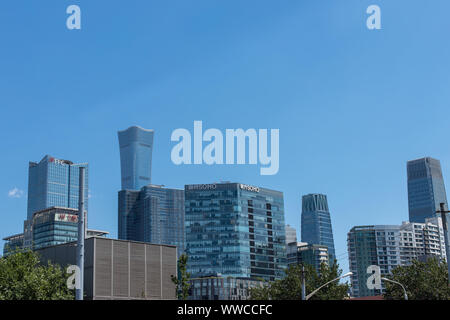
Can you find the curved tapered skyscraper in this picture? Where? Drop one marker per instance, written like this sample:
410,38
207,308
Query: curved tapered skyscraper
316,222
136,147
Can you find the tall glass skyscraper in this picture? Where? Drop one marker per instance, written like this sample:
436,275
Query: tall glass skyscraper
235,230
154,214
136,147
316,222
426,188
54,183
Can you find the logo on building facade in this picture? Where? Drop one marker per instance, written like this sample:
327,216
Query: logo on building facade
249,188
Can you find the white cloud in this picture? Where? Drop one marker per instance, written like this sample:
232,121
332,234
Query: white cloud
15,193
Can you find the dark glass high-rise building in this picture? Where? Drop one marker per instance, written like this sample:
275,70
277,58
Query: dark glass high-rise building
235,230
316,222
426,189
154,215
136,147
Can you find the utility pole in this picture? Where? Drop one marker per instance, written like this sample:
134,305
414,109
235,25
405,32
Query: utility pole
81,235
303,283
443,213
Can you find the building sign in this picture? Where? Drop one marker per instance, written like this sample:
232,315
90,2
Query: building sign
63,217
202,187
249,188
58,161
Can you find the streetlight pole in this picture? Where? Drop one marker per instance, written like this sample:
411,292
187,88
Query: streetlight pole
81,235
338,278
443,213
404,290
303,283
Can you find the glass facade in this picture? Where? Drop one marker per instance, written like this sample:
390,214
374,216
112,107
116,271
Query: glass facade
12,244
54,183
154,215
54,226
235,230
426,189
219,288
136,147
316,222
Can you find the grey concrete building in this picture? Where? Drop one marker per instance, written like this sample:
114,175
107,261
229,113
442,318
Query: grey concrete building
119,269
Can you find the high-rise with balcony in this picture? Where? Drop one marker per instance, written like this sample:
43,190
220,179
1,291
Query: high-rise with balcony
426,189
136,147
316,223
389,246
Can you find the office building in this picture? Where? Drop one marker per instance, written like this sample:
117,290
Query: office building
235,230
220,288
389,246
54,226
154,214
121,270
136,147
426,189
307,254
316,222
52,183
291,234
13,243
49,227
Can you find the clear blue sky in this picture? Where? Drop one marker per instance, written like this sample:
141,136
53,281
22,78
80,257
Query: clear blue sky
352,105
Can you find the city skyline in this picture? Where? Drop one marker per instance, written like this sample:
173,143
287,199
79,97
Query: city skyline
349,102
342,261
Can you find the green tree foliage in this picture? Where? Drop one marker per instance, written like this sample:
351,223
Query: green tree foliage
22,277
422,281
182,281
290,287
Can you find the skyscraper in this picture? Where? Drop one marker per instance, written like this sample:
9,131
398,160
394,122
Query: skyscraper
54,183
136,146
426,189
316,222
154,215
235,230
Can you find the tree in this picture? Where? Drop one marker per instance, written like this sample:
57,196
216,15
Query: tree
182,281
23,277
290,287
422,281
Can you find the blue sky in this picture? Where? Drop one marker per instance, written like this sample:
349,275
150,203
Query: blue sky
352,105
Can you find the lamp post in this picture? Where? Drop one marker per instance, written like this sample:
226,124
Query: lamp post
404,290
81,235
337,279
